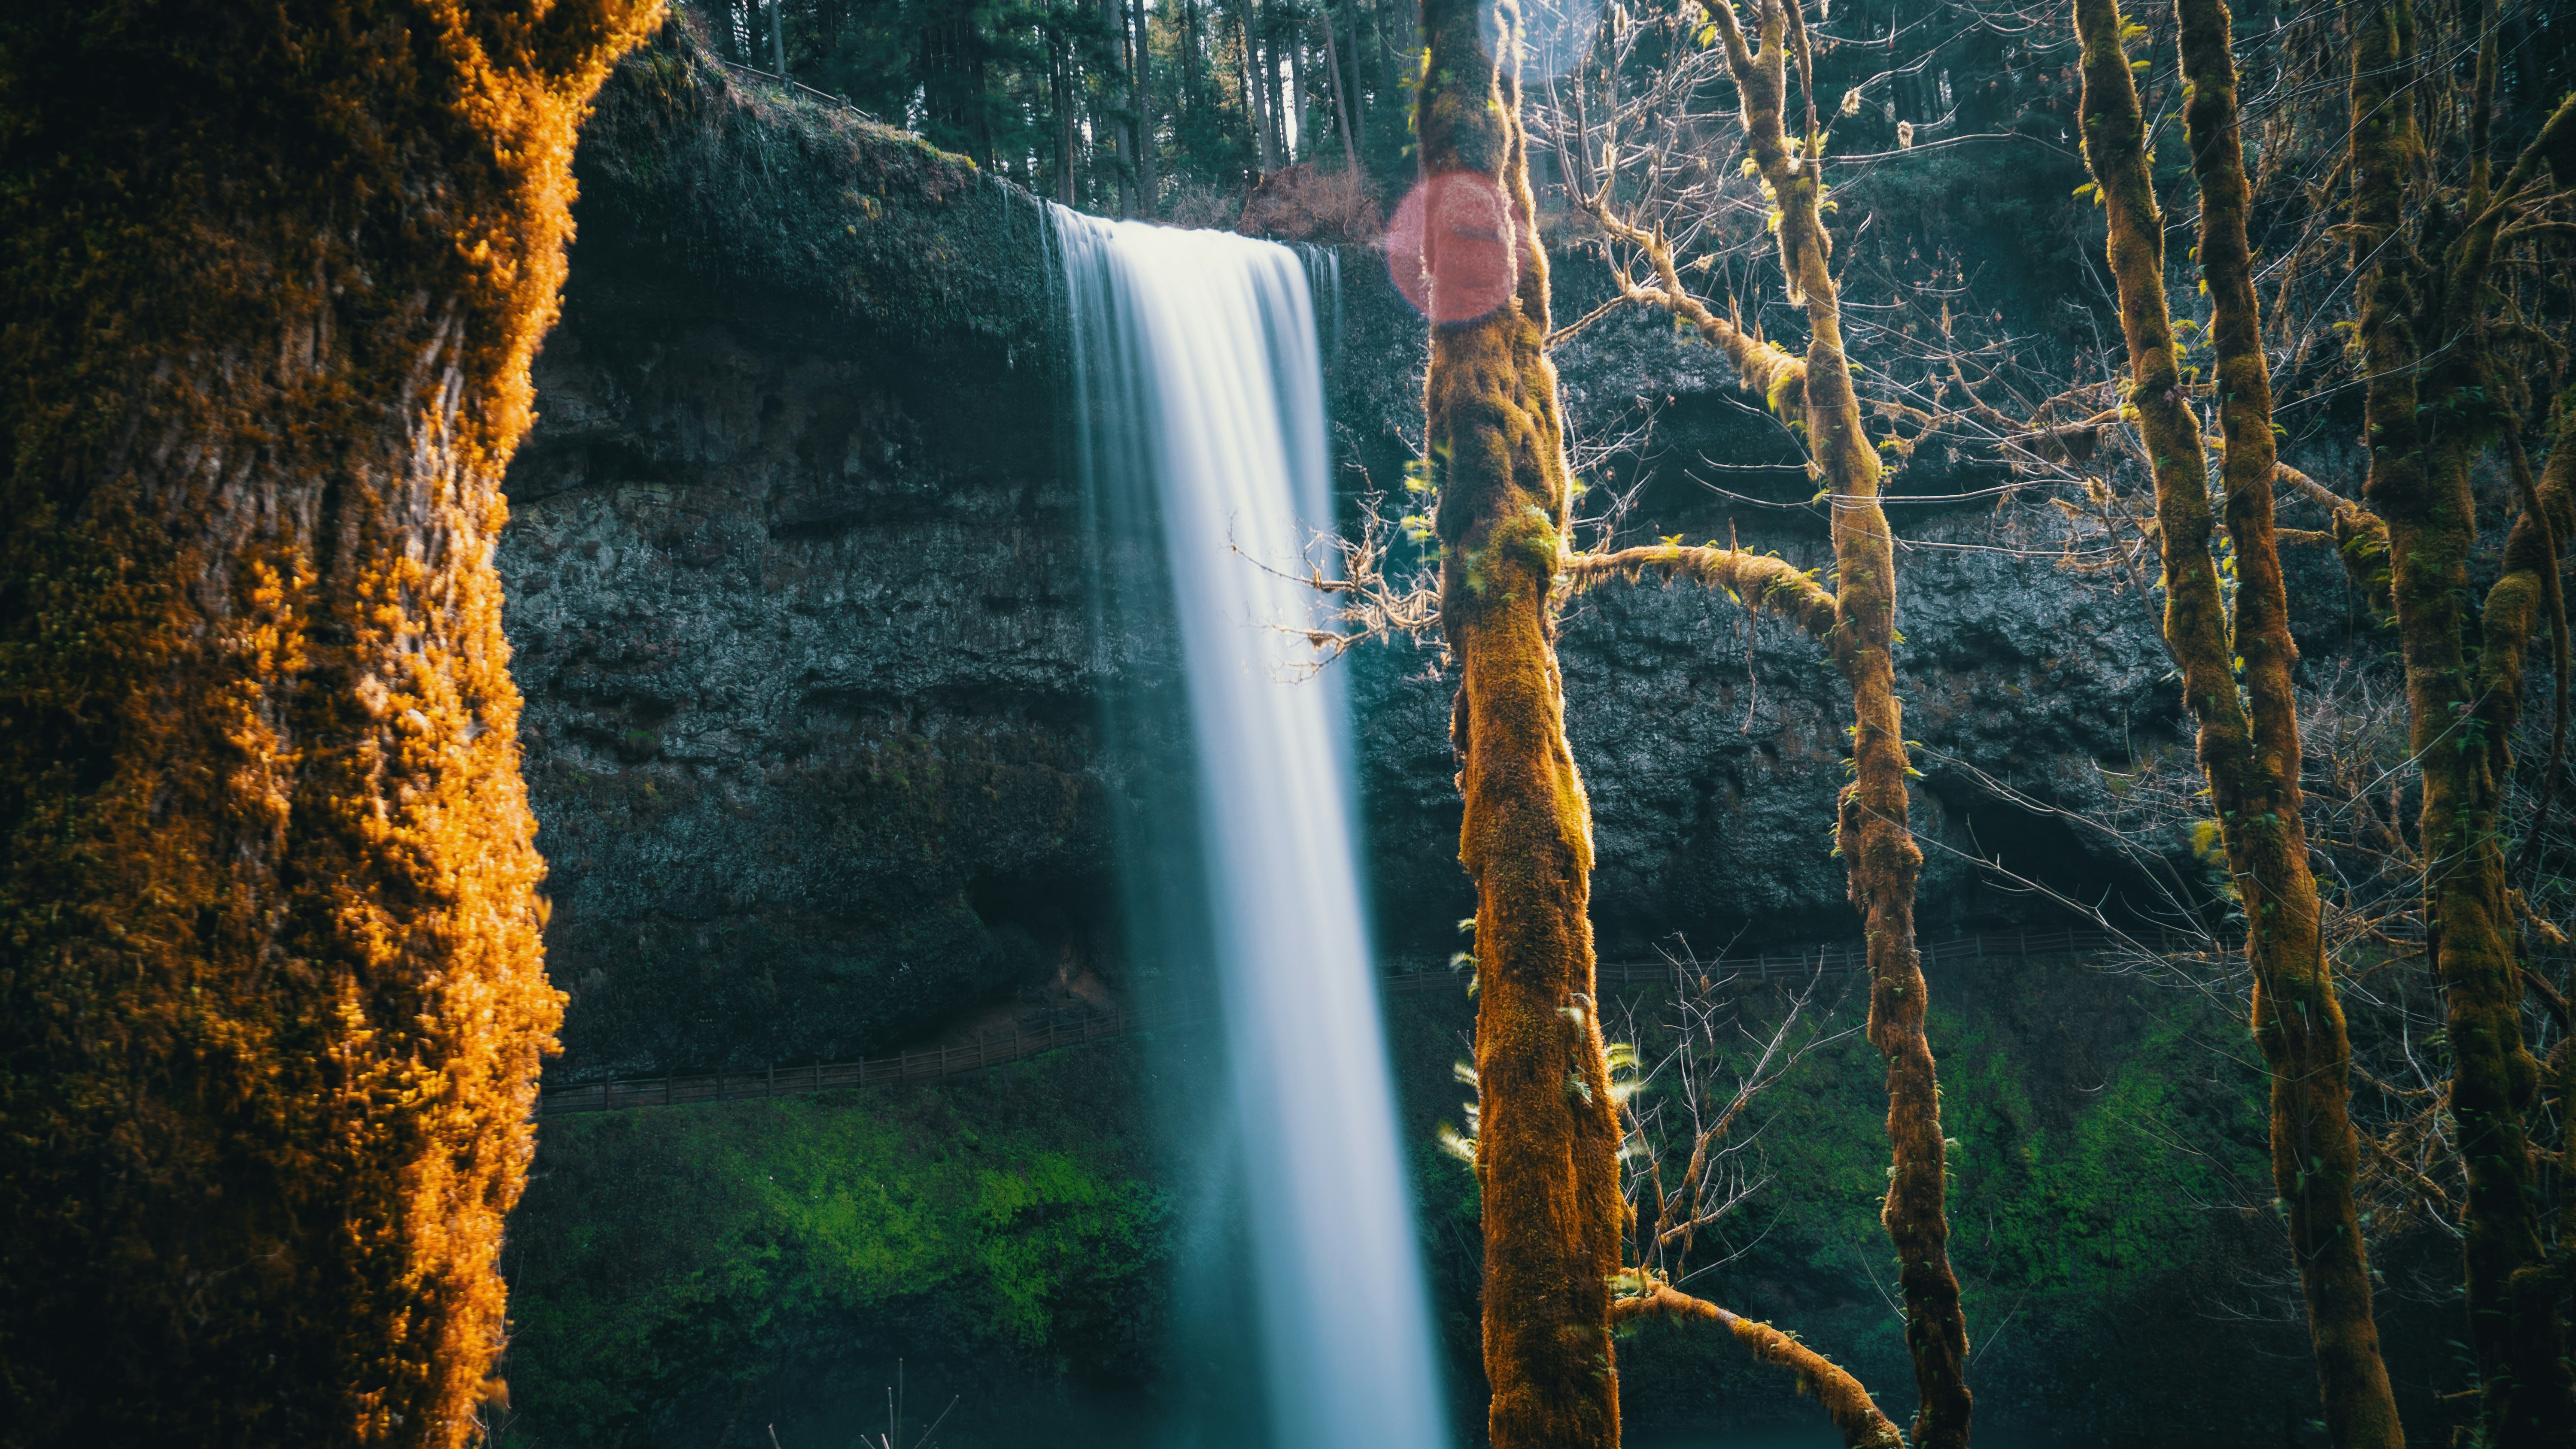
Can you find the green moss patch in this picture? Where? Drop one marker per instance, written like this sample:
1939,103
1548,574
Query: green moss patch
665,1258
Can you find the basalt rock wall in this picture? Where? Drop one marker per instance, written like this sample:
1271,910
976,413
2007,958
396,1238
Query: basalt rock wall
809,618
797,591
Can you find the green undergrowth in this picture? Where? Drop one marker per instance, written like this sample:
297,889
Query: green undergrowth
2078,1166
2108,1184
664,1258
2109,1190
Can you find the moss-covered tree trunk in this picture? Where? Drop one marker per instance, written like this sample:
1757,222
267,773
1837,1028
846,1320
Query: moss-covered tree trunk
2249,746
1873,833
271,1001
2540,1405
1548,1136
2430,410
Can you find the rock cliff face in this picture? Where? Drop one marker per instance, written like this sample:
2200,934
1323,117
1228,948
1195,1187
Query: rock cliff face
819,643
808,617
797,590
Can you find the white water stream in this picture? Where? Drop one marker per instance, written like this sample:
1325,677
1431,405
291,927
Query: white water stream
1199,384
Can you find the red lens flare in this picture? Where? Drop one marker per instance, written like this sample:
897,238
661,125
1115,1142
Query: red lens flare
1455,247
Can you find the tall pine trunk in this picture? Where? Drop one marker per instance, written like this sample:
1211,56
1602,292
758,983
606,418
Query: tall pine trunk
1140,130
1256,105
1346,97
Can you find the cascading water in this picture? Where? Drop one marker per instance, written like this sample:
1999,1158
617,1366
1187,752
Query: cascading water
1200,391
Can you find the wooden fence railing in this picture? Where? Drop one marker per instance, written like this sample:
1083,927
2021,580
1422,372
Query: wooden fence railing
993,1051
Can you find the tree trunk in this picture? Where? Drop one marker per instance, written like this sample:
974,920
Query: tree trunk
1060,78
1341,104
1546,1148
2541,1406
271,992
1106,124
1300,105
1265,74
1189,105
1873,835
1346,98
1141,129
2251,759
1256,111
981,122
2428,418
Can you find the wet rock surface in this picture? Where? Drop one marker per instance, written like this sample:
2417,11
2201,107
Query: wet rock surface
797,593
809,619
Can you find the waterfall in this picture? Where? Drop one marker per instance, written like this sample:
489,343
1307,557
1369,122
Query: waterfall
1199,393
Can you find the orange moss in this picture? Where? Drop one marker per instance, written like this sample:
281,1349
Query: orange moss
2359,537
1548,1139
1758,581
1856,621
1778,376
2526,1280
268,926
